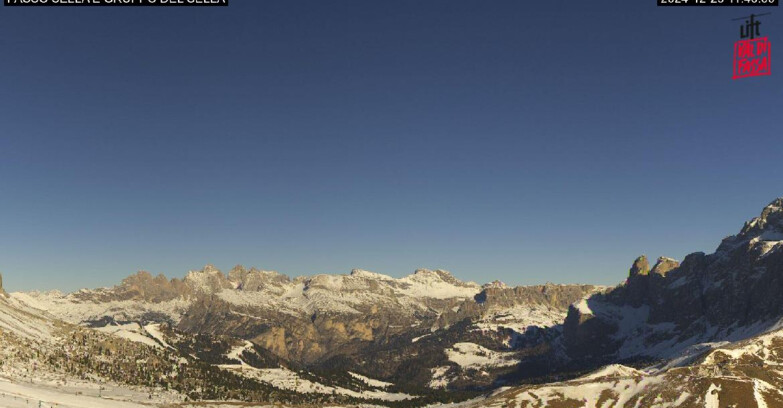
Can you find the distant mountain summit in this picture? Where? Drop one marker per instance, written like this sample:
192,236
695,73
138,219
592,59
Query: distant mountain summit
764,232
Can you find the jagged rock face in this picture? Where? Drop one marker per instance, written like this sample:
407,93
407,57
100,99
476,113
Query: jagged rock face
734,292
207,280
664,265
640,267
255,279
558,296
142,286
495,284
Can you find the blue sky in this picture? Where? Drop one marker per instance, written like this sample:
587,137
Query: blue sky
520,141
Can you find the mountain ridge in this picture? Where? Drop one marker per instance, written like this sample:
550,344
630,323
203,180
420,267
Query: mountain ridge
687,334
705,297
307,318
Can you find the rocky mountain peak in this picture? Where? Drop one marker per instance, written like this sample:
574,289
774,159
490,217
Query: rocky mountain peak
209,279
361,273
494,284
143,286
774,208
425,271
428,275
640,267
664,265
237,273
209,268
770,222
255,279
764,231
437,274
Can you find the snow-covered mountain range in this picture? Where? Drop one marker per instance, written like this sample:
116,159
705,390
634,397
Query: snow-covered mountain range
308,319
706,332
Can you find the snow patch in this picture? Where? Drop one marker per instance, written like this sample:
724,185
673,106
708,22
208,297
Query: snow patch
236,352
471,355
439,379
286,379
613,371
129,331
712,398
371,382
154,331
583,307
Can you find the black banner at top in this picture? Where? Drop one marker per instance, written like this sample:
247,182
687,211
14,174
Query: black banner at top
717,3
33,3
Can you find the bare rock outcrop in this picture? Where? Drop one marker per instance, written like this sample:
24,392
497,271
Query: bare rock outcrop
736,291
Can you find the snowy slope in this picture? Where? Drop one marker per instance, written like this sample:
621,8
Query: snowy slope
78,308
746,373
470,355
17,394
24,321
286,379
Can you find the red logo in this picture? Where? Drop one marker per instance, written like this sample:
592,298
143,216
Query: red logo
751,54
752,58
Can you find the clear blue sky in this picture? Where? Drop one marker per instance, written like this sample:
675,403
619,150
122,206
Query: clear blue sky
514,140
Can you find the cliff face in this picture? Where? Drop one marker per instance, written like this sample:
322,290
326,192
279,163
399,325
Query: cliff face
2,289
714,320
730,294
556,296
